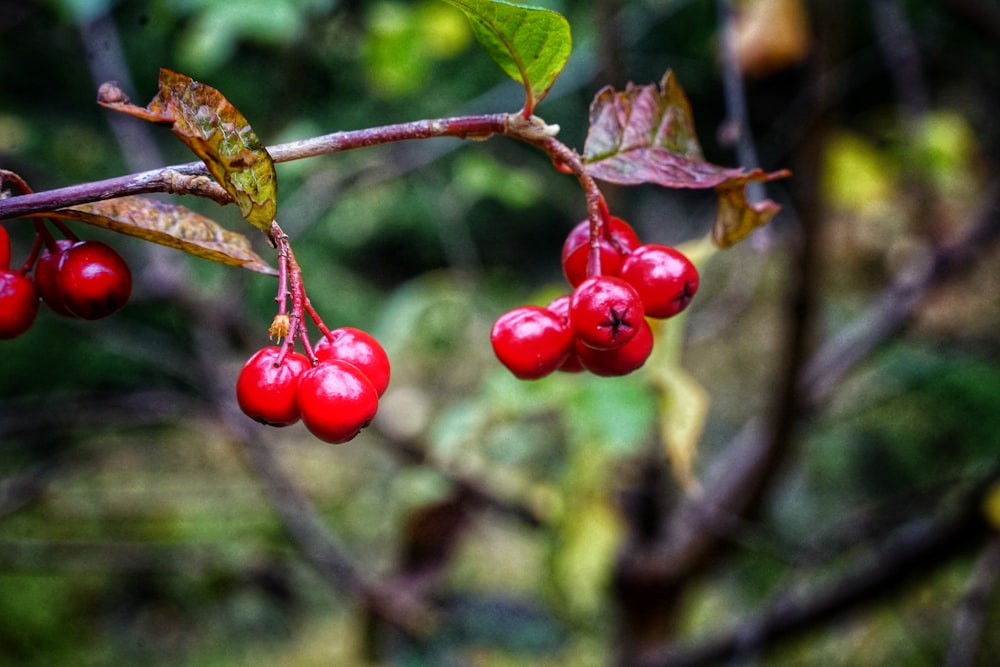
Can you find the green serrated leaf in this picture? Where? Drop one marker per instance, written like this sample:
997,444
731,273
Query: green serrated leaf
530,44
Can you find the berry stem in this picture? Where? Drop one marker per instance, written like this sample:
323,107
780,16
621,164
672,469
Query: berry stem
64,229
570,161
317,320
36,248
43,234
291,288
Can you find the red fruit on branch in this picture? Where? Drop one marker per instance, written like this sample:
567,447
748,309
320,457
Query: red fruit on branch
268,392
360,349
336,401
531,341
621,360
560,307
605,312
18,304
664,277
616,242
4,248
46,277
93,279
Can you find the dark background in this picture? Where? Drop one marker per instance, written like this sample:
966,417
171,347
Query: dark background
845,507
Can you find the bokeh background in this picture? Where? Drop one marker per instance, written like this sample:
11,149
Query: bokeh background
843,507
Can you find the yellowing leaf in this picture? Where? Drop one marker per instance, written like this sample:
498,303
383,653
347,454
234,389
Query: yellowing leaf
170,225
683,402
217,133
991,505
683,411
736,218
588,532
770,35
856,176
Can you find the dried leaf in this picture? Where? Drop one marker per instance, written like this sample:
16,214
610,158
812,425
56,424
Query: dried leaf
683,412
173,226
217,133
682,400
645,134
641,117
736,217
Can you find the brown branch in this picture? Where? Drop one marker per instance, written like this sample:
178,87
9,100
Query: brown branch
971,617
694,532
473,491
916,549
193,178
21,490
320,546
890,311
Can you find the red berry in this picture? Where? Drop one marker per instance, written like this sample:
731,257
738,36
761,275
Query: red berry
617,241
4,248
560,307
621,360
664,277
605,312
268,393
46,277
93,279
359,348
531,341
18,304
336,401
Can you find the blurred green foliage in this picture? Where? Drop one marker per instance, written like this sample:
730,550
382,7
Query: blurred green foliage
149,542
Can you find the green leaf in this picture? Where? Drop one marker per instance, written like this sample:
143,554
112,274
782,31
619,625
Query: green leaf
530,44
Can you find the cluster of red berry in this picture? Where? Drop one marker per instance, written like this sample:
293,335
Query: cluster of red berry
601,326
335,397
80,279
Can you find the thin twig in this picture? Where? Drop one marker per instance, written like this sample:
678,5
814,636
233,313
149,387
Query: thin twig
691,535
318,544
971,617
193,178
918,548
736,126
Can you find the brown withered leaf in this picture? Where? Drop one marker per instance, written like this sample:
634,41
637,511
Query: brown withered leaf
217,133
170,225
641,117
736,218
646,134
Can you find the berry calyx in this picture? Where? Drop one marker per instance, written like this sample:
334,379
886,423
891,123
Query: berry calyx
336,401
360,349
18,304
46,277
664,277
4,248
531,341
267,391
93,279
605,312
616,242
621,360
